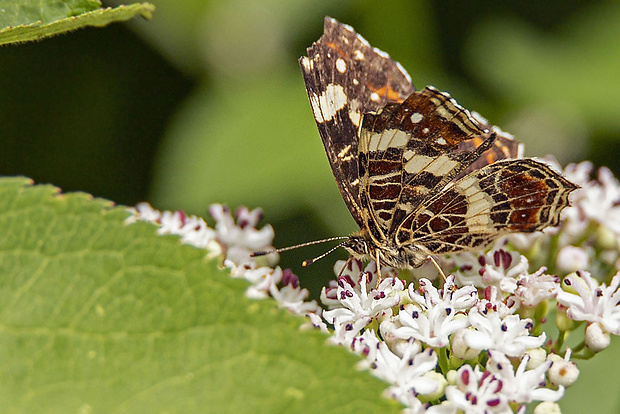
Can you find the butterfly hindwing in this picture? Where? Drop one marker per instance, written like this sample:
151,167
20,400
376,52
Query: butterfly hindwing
408,150
518,195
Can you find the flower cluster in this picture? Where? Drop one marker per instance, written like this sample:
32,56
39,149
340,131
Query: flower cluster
469,342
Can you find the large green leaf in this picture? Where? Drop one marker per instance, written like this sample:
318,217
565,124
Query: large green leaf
28,20
100,316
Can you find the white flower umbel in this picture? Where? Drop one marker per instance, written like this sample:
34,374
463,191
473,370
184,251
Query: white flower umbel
509,335
432,335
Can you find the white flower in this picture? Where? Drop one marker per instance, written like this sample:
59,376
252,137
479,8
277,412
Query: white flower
239,238
408,374
499,268
262,279
571,259
509,335
361,303
451,296
533,289
315,321
436,314
291,296
592,302
492,301
350,269
522,385
475,392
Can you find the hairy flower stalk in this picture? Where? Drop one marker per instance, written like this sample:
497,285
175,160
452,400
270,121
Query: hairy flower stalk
473,342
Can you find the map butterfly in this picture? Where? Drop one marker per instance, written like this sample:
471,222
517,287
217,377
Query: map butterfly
420,174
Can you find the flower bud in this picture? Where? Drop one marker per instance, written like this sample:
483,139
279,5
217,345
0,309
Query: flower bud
562,372
460,349
547,407
596,338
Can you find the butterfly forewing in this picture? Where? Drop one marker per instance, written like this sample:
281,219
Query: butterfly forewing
345,77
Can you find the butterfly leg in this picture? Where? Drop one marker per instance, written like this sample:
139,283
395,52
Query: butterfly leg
346,264
378,262
434,262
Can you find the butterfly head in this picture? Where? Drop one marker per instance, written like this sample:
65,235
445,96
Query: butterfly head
359,246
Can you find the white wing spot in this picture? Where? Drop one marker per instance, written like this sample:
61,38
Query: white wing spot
416,117
355,82
374,97
441,141
344,151
308,63
442,165
418,163
327,104
358,55
341,65
355,115
391,138
425,131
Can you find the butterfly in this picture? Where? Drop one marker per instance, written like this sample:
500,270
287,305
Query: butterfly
420,174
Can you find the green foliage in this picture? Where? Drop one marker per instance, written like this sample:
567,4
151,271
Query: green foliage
29,20
100,316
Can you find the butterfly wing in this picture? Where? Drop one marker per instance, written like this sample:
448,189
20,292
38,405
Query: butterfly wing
504,147
345,77
409,151
518,195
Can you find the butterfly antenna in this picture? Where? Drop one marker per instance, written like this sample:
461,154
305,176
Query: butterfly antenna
297,246
310,261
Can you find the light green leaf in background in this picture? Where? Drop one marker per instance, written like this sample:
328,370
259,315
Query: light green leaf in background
99,316
562,86
29,20
249,144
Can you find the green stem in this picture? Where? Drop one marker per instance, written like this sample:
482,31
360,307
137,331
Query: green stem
442,355
559,343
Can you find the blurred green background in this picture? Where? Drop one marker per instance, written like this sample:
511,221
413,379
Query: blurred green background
205,103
